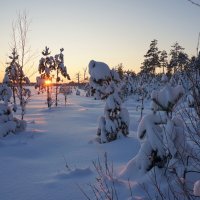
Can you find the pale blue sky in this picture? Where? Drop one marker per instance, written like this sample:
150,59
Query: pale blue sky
112,31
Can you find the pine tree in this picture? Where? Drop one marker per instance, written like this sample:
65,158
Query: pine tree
183,61
178,59
120,70
163,60
60,68
17,78
151,58
46,66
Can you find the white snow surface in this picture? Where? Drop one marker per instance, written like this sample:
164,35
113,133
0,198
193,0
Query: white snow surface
55,153
53,157
166,97
196,188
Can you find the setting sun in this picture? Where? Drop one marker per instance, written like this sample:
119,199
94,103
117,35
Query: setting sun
47,82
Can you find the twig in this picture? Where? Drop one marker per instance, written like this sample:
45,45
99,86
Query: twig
194,3
84,193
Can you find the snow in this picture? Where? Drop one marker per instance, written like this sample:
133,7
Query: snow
166,98
5,93
196,188
164,78
53,158
99,70
55,153
175,137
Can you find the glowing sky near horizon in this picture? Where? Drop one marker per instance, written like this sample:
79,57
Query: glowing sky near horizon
112,31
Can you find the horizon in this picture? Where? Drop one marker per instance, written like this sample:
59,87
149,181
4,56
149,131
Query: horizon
111,31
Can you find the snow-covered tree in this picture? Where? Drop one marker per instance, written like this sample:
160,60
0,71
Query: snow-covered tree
60,68
128,83
162,135
15,78
115,122
193,77
173,132
47,65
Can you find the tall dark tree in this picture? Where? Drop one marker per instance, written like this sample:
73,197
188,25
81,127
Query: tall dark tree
145,67
163,60
183,61
197,63
178,58
151,58
120,70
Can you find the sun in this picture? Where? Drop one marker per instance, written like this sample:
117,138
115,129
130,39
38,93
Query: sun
47,82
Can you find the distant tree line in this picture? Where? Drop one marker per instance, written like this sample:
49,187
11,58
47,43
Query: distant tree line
176,61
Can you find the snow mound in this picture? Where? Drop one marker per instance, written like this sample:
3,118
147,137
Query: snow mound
75,173
166,98
99,70
196,189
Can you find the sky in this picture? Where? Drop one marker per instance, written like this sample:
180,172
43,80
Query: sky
111,31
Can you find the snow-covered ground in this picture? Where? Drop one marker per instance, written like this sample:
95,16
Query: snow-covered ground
53,157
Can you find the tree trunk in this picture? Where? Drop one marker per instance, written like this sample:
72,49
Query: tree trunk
56,89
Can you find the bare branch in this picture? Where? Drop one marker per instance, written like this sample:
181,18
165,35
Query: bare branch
194,3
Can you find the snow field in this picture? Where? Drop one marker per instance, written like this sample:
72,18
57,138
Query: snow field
55,153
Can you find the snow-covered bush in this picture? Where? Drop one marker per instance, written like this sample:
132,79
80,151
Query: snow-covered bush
167,98
115,122
8,123
128,85
78,93
88,90
65,90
